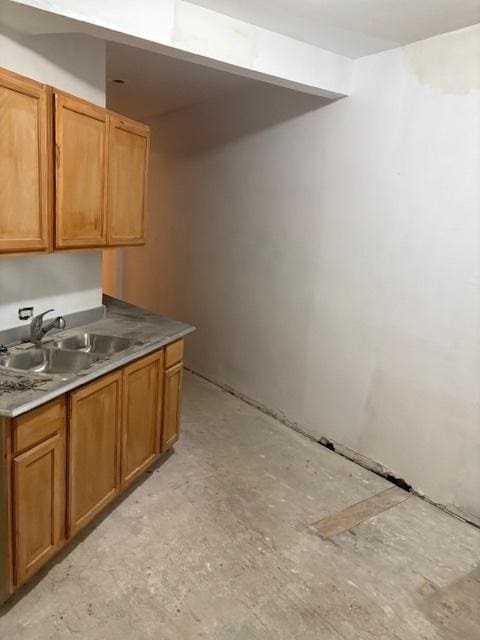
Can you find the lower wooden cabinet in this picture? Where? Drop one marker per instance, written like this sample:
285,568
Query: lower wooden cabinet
141,424
71,457
172,405
38,487
94,449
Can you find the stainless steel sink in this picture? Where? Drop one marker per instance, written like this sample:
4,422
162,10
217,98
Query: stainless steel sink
93,343
41,360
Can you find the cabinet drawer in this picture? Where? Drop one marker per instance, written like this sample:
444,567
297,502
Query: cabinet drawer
173,354
38,425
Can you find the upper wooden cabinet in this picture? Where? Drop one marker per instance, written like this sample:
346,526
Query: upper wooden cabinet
127,177
24,164
72,174
80,174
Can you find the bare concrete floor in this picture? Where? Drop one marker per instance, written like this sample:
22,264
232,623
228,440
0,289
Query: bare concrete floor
217,543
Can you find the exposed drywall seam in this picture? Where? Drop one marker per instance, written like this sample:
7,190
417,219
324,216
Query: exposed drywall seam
342,450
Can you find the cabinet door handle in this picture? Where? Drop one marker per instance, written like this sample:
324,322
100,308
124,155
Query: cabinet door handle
57,154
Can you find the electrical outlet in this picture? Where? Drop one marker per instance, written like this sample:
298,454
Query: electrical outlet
25,313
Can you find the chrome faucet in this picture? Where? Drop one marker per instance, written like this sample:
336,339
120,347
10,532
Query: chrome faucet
38,329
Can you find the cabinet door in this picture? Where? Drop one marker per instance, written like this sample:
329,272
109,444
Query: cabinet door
94,448
38,505
24,174
142,387
127,178
81,166
172,399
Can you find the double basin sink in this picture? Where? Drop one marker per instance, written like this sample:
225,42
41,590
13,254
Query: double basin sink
66,356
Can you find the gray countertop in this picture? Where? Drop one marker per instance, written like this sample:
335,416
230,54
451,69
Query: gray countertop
21,391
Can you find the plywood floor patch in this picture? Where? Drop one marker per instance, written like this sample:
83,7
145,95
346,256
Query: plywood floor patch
351,517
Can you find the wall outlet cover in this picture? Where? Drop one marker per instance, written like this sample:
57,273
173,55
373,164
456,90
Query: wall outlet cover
25,313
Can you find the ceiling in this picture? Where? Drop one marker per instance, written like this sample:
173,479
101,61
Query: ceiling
353,28
156,84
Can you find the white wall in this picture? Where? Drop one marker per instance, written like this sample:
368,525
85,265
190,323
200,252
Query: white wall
68,282
329,256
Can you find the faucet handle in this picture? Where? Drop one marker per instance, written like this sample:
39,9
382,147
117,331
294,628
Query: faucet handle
38,319
36,331
40,315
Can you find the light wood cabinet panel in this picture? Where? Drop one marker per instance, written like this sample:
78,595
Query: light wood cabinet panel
142,396
127,177
81,170
39,504
172,399
173,354
24,174
94,449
